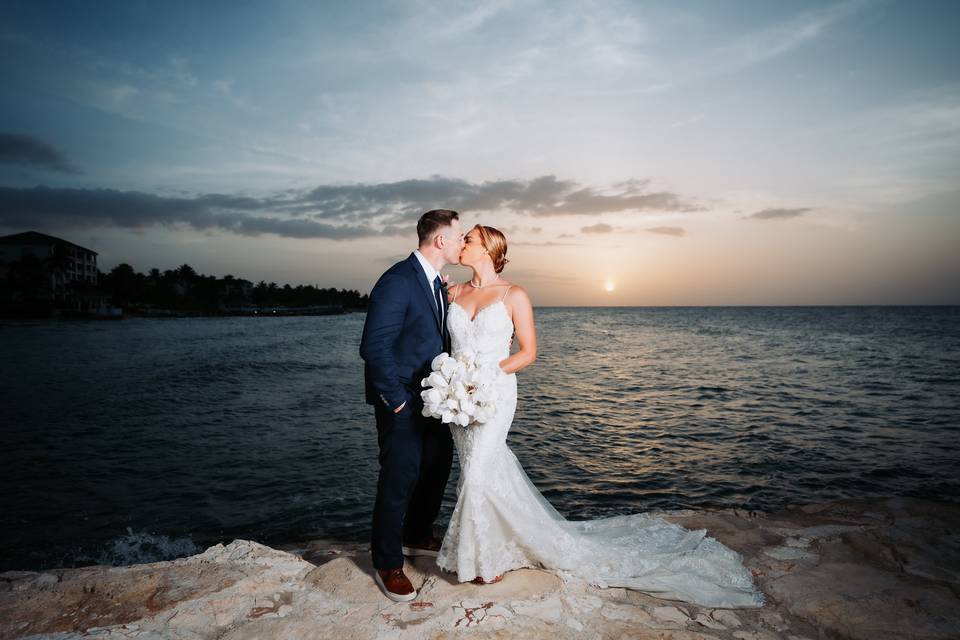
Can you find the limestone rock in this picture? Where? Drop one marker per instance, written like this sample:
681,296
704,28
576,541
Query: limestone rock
670,614
708,622
726,618
850,568
790,553
757,634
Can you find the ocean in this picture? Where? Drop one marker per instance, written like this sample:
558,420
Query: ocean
147,439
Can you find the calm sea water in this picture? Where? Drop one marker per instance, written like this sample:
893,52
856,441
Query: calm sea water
145,439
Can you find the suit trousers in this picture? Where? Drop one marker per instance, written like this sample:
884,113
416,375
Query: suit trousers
416,453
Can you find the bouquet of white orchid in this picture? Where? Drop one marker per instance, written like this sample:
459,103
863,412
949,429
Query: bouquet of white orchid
460,390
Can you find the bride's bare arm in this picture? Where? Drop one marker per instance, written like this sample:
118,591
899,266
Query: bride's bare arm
522,311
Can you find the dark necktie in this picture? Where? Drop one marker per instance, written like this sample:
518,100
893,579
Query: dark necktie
438,292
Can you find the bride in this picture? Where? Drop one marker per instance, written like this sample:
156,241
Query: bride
502,522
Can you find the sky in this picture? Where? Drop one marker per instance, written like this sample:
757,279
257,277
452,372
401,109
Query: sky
634,153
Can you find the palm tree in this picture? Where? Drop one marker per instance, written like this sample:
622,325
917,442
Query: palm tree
186,273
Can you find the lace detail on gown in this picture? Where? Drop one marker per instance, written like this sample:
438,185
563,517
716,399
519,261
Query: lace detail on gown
502,522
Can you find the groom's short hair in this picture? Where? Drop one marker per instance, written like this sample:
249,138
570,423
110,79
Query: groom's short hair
432,221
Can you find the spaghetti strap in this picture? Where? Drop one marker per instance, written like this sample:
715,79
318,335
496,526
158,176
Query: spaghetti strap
456,290
505,293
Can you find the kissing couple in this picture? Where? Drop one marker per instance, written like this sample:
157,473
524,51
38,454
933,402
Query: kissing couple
501,521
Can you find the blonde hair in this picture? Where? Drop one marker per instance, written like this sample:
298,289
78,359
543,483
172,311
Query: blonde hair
496,245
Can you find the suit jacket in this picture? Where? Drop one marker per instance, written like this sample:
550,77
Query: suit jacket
401,335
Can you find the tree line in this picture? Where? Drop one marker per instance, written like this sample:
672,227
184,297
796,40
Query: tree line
34,285
183,288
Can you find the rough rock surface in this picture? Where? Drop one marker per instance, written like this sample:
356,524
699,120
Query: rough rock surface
847,569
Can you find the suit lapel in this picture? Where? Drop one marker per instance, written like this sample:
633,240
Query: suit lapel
427,289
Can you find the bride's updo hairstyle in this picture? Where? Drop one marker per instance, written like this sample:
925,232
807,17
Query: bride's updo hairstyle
496,245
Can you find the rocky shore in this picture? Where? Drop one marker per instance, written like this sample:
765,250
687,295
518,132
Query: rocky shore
867,569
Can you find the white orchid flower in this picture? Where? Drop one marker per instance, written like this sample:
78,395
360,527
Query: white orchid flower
437,380
439,360
448,367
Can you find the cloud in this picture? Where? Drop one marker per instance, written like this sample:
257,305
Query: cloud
30,151
535,274
600,227
761,45
44,207
686,121
746,49
678,232
778,214
338,212
539,197
548,243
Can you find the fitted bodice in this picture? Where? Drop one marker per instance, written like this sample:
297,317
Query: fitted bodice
488,334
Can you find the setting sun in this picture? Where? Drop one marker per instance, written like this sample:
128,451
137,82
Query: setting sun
609,285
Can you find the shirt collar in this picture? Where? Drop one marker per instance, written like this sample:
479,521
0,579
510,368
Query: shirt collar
428,268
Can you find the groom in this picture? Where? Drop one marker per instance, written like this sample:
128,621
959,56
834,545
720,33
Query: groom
404,331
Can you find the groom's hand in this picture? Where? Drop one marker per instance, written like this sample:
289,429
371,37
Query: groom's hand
400,408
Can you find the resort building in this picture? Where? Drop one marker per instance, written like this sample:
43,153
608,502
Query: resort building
63,273
67,262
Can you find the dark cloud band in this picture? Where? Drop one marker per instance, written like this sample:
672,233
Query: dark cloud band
543,196
600,227
30,151
779,214
339,212
43,207
678,232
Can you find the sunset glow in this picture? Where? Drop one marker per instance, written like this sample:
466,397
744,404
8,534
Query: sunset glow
708,154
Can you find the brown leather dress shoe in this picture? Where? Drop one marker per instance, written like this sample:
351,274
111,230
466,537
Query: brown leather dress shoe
430,548
395,584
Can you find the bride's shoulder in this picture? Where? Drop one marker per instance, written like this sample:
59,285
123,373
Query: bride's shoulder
515,294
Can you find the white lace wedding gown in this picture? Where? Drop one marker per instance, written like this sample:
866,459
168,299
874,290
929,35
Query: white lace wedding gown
502,522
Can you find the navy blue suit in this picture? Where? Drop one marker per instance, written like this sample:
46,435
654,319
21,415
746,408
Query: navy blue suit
401,336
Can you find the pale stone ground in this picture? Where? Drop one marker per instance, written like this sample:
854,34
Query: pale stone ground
868,569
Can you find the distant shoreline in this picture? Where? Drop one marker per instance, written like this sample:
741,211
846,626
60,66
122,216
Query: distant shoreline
185,313
6,319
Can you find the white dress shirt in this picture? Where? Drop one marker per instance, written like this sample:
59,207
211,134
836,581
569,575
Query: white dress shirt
431,274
